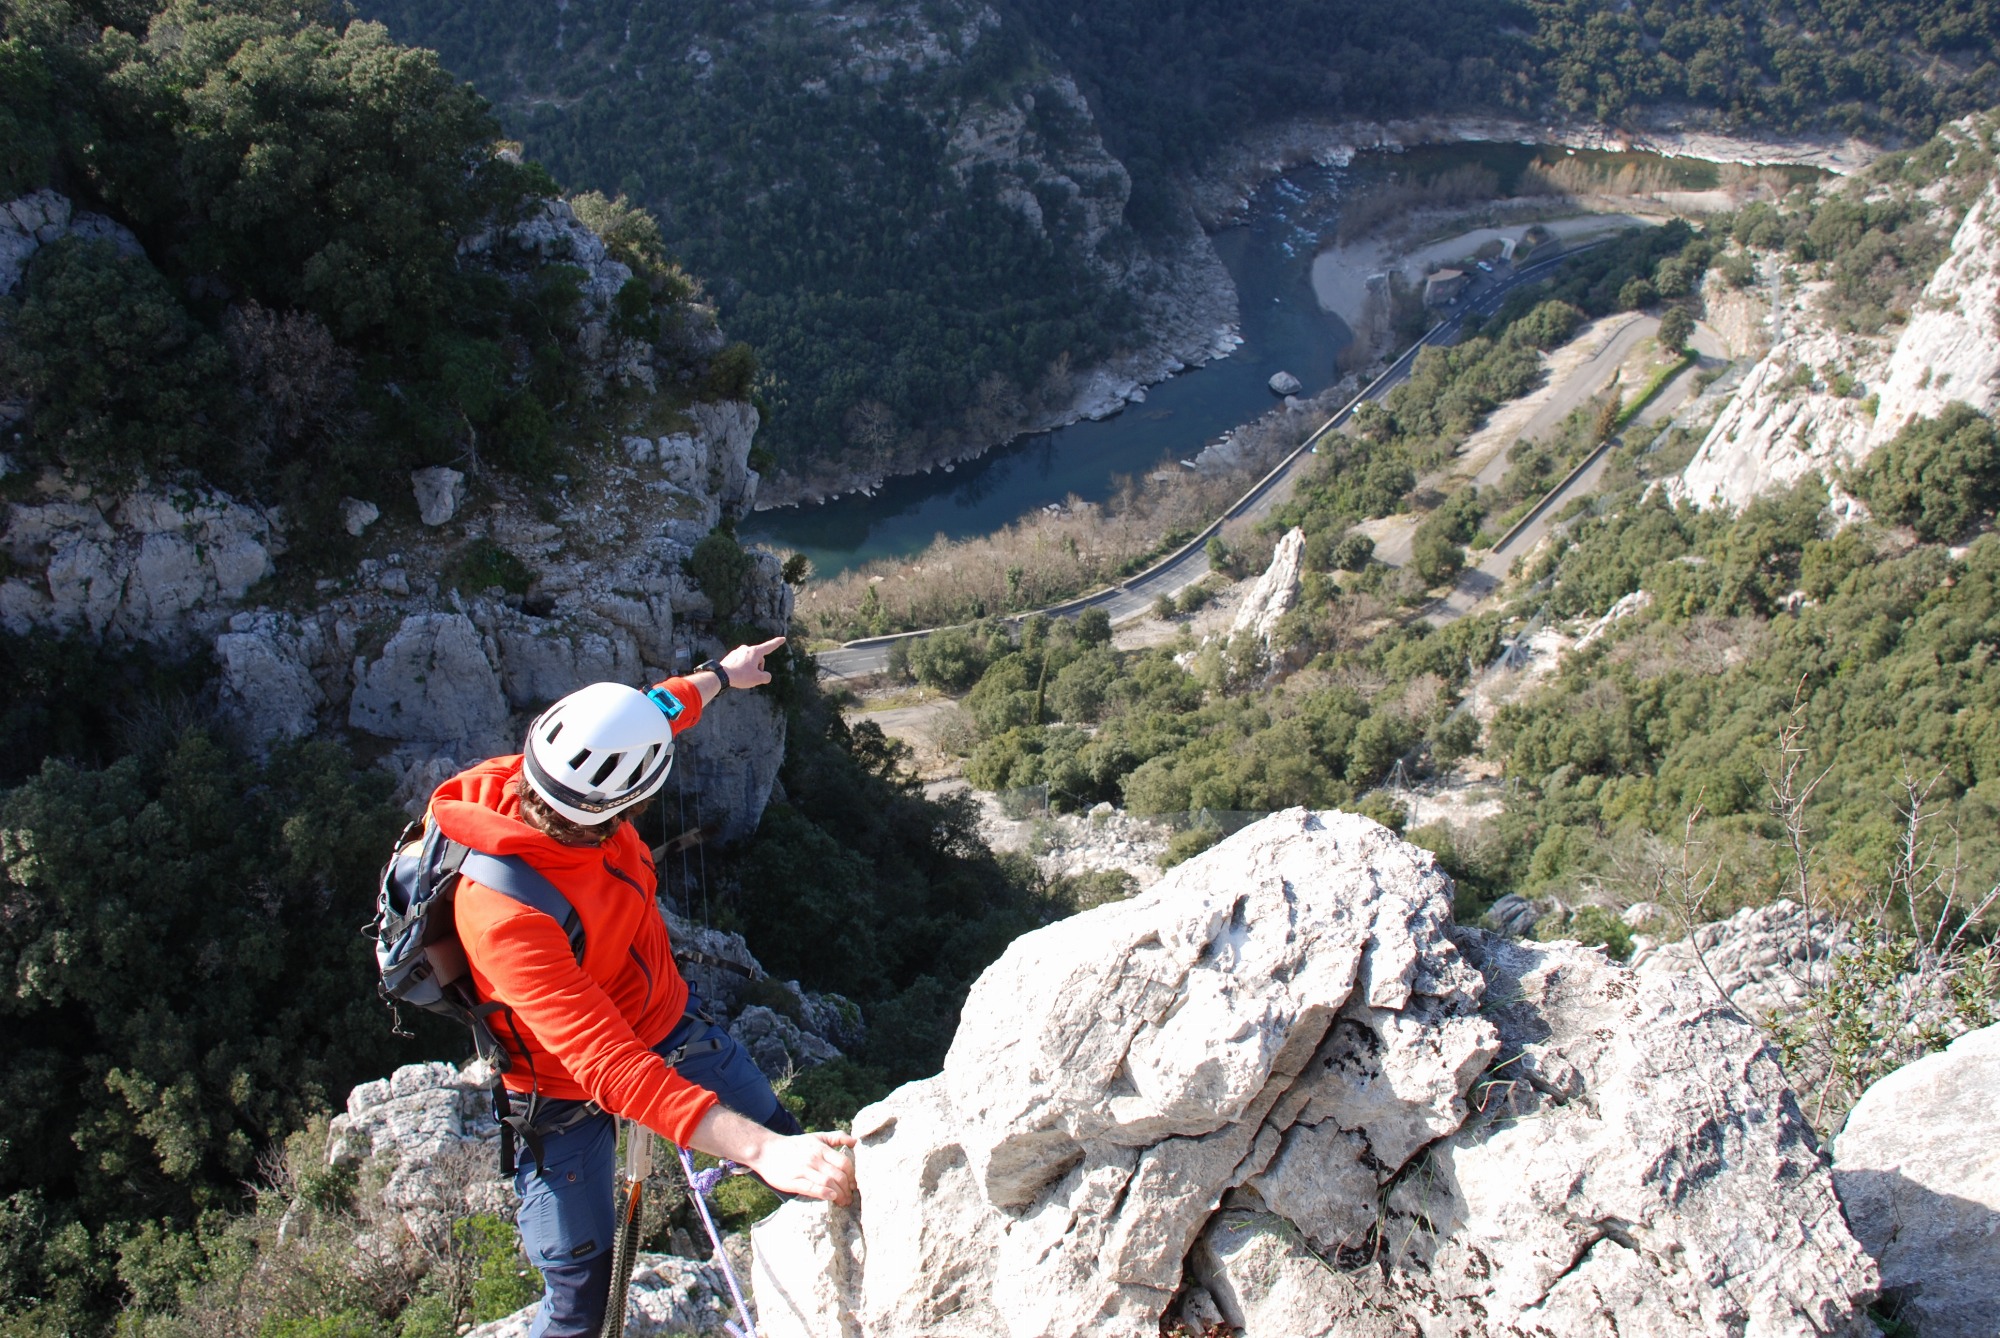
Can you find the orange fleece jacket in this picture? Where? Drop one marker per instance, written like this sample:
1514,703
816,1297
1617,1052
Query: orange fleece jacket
578,1031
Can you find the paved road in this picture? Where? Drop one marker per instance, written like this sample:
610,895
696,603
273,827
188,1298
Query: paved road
1189,564
1476,583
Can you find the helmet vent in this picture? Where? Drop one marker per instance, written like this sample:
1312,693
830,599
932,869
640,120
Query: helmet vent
576,763
638,770
554,730
609,765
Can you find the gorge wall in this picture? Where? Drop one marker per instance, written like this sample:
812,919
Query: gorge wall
475,598
1825,396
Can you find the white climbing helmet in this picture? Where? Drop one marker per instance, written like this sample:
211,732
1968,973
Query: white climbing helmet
599,751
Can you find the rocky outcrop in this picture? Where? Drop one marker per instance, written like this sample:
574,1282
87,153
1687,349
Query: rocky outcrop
1282,1089
1807,409
1918,1169
440,492
160,565
1275,592
430,643
430,1132
711,464
671,1297
433,684
1786,422
34,221
1764,958
1948,351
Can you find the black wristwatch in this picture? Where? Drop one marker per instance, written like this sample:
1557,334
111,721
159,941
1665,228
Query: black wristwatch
715,667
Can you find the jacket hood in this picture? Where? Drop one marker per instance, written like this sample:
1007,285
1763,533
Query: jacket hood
481,808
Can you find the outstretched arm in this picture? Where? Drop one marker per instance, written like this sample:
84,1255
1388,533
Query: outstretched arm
745,667
808,1164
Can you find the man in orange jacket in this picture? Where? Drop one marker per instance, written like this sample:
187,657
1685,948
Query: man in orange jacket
617,1032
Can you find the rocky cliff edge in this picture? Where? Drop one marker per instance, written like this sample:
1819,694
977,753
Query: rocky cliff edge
1282,1091
1823,399
423,647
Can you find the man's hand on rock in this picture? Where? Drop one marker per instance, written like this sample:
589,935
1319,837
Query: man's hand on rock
745,664
813,1165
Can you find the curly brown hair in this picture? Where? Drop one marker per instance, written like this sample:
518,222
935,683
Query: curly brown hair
537,813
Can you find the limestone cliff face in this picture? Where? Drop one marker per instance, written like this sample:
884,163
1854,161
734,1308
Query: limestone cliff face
1795,416
416,646
1282,1092
1951,348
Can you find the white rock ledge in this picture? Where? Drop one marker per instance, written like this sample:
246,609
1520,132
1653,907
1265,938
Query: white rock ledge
1281,1087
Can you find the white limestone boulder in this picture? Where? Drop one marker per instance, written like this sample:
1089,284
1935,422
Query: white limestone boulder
433,683
267,692
1284,383
429,1132
728,763
1763,957
1275,592
357,515
1918,1169
1282,1076
440,492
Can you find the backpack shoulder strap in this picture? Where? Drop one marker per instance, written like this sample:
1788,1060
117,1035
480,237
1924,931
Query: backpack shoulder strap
515,878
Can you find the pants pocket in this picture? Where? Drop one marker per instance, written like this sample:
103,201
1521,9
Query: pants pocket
567,1209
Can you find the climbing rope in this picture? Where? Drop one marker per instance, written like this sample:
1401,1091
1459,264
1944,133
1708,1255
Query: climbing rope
700,1185
687,874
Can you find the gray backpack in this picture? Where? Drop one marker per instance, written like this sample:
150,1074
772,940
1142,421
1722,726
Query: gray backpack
422,963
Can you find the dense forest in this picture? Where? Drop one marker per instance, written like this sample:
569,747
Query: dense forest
818,165
298,297
807,162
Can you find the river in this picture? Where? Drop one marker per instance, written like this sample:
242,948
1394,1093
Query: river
1283,329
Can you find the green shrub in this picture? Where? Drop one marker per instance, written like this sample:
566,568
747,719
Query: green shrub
503,1279
483,564
119,377
1183,846
720,566
1592,926
1353,553
1093,628
733,372
1676,328
1939,476
954,658
826,1096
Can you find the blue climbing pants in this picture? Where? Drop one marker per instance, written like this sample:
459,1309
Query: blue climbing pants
569,1209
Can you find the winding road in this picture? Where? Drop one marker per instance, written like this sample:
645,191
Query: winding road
1189,563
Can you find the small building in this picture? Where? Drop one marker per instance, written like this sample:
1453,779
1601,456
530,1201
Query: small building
1443,287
